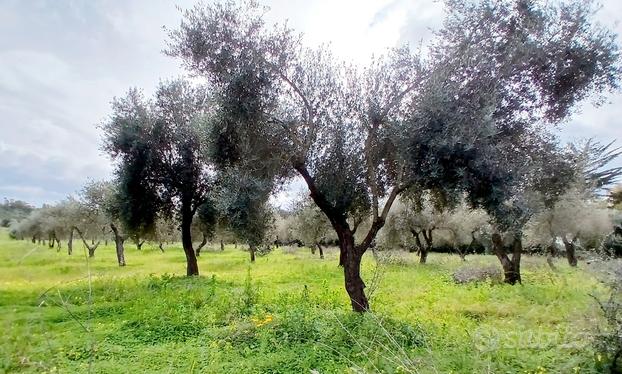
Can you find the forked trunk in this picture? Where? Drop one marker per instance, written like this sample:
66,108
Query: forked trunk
118,243
511,267
570,251
201,245
91,248
355,287
192,267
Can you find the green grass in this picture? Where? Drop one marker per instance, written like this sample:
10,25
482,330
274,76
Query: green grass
287,313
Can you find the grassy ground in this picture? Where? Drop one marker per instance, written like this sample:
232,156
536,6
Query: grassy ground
287,313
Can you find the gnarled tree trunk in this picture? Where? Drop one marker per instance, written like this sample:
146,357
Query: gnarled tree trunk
70,242
118,243
251,249
91,248
319,247
511,267
201,245
570,251
351,257
427,236
192,267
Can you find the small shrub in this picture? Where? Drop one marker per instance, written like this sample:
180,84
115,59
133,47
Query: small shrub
396,258
608,340
160,330
468,274
611,246
289,249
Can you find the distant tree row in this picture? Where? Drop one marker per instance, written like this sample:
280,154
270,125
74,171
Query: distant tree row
13,210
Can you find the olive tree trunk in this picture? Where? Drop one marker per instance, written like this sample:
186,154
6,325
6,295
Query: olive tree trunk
201,245
70,242
319,247
351,257
192,267
118,243
570,251
427,236
251,249
511,267
91,248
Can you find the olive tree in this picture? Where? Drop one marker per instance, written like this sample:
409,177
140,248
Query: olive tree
571,208
243,203
101,209
13,211
359,137
312,227
528,64
421,222
205,222
284,231
420,217
30,226
162,165
575,218
165,232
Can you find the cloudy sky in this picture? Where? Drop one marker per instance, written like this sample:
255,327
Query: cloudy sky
62,61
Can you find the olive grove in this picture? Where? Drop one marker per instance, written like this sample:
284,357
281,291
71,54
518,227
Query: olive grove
468,117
